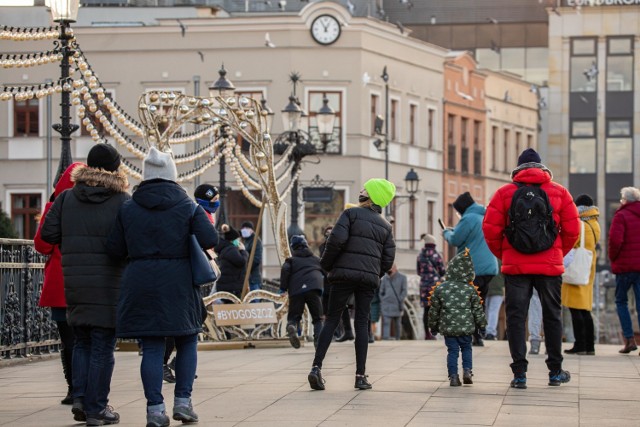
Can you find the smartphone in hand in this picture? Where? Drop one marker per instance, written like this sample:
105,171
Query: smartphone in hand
441,224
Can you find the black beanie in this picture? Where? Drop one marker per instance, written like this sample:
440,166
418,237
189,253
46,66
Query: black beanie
584,200
103,156
463,202
205,192
229,233
298,241
247,224
529,156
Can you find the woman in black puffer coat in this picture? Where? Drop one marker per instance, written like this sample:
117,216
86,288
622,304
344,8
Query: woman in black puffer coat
359,251
232,260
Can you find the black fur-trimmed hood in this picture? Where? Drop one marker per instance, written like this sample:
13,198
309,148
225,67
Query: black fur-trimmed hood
97,185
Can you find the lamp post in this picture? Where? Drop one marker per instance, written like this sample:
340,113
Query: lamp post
412,182
292,114
385,78
196,144
224,88
64,12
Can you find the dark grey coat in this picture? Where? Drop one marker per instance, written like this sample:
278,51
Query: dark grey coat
79,221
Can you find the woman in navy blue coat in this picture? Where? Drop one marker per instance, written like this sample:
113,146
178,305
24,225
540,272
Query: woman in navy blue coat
158,298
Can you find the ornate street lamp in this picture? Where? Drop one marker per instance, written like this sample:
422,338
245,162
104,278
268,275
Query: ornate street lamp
224,88
326,118
64,12
291,115
412,182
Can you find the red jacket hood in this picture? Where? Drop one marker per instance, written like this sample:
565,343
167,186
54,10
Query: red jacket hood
65,183
531,173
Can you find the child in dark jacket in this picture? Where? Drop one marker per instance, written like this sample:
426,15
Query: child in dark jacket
456,312
302,277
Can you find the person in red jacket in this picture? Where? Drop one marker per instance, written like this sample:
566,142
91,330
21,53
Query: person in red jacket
53,287
525,271
624,252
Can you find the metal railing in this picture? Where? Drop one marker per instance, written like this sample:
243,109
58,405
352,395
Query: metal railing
25,328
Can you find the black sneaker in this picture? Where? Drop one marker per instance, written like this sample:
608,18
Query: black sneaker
158,419
558,377
466,377
292,332
362,383
315,379
107,416
167,375
519,381
454,380
68,399
78,410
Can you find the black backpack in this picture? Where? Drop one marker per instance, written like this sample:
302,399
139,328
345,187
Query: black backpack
531,226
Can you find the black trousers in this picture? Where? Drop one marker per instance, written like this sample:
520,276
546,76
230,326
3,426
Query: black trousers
582,329
67,340
345,319
482,282
518,291
340,293
313,300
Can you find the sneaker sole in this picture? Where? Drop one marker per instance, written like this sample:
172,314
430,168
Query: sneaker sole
153,424
521,386
366,387
184,418
315,383
293,337
94,422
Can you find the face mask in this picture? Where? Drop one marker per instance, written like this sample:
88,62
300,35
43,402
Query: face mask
246,232
236,243
362,199
208,206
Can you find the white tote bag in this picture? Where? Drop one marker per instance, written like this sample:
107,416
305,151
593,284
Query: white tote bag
578,261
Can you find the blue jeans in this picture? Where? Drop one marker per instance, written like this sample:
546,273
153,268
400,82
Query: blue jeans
255,285
624,281
386,327
153,359
456,345
93,366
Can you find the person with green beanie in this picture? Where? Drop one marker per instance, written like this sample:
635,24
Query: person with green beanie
358,252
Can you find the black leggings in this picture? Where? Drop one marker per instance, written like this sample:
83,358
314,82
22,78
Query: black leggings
67,340
583,329
340,293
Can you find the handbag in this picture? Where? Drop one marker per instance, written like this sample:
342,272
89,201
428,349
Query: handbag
577,270
202,272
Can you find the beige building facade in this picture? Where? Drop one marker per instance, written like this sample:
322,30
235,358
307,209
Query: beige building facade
130,60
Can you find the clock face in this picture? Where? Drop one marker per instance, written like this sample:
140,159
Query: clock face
325,29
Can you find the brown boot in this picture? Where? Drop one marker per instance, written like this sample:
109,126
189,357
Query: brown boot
629,346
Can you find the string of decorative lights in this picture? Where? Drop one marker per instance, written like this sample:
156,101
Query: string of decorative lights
29,59
19,34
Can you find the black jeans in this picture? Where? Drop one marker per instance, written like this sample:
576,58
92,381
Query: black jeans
340,293
482,282
518,291
582,329
313,300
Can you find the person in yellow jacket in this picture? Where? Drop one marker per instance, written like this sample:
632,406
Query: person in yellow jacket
579,298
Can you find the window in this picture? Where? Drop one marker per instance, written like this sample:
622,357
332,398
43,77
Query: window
582,150
464,124
619,64
494,148
25,209
25,117
374,112
451,146
413,119
394,120
529,141
430,129
583,65
320,215
431,210
505,150
239,209
477,153
315,103
257,95
97,124
518,143
619,148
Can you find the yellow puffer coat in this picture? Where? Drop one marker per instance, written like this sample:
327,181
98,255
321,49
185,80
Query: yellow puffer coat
581,297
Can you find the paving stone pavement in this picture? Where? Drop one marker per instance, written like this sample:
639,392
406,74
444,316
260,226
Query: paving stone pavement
268,387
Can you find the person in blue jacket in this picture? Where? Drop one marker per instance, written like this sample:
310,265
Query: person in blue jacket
468,234
157,297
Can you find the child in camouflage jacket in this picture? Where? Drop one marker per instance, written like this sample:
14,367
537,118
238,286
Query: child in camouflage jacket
456,312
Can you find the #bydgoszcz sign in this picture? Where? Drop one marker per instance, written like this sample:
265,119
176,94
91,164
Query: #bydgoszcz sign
244,314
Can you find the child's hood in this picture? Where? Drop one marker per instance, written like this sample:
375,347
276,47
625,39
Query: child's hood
460,268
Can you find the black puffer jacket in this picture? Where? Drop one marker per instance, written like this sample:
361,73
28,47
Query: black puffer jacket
79,221
301,273
233,267
360,248
152,231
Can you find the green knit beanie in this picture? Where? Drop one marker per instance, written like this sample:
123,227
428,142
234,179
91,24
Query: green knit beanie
381,191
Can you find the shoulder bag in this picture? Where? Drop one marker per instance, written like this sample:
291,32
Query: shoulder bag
202,272
578,268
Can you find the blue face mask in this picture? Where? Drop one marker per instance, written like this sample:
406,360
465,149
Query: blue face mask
208,206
